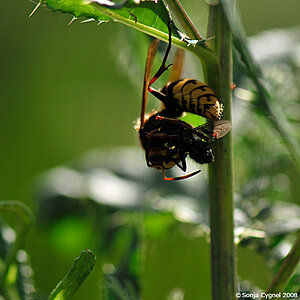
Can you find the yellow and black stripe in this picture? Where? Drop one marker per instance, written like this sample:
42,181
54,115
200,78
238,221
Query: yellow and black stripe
194,96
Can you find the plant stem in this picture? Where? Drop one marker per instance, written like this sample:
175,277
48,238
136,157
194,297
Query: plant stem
223,252
177,9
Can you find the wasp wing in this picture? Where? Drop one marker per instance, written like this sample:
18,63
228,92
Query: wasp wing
149,65
216,129
176,71
221,128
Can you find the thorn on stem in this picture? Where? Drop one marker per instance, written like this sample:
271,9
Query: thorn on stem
101,21
88,20
73,19
35,9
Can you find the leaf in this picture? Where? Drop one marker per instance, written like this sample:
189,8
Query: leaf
152,18
77,8
147,16
81,268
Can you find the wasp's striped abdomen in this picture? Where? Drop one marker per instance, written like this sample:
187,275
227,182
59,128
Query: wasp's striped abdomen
194,96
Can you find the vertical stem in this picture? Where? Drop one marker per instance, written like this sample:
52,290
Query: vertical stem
178,10
223,252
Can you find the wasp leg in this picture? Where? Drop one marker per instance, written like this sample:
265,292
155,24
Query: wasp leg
183,166
159,95
175,73
147,157
162,97
180,177
163,66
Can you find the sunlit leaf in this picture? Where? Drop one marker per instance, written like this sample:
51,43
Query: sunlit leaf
147,16
81,268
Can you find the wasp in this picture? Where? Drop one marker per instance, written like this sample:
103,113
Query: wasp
166,139
186,95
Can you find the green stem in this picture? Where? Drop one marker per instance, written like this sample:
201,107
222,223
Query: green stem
177,9
223,252
287,269
208,59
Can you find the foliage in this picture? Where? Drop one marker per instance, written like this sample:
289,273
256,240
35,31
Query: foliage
16,280
82,267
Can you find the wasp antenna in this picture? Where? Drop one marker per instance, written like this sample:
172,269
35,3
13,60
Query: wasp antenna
35,9
88,20
180,177
73,19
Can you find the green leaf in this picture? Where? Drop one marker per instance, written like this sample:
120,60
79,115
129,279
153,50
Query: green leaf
152,18
147,16
81,268
77,8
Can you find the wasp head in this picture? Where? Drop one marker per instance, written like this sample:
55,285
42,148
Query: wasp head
201,153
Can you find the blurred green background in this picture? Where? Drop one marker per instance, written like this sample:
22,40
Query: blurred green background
68,89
